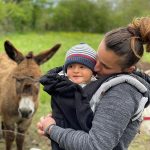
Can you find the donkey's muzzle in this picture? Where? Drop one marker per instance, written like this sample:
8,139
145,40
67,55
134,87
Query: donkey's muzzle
25,113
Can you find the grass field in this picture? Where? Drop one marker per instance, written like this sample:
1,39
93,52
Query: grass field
38,42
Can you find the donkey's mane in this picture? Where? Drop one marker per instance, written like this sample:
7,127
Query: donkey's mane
30,55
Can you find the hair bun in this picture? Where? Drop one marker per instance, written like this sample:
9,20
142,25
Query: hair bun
141,27
134,31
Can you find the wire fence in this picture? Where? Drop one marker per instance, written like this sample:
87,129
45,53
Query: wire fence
32,140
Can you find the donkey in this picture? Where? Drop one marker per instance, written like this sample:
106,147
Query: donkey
19,90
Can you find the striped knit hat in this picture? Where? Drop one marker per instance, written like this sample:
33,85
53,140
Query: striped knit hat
82,54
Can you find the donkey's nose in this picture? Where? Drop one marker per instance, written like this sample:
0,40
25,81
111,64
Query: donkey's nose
25,113
26,107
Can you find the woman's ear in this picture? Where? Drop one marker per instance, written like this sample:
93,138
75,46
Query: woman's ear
131,69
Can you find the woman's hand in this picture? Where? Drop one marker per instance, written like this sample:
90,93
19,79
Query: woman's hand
44,123
40,128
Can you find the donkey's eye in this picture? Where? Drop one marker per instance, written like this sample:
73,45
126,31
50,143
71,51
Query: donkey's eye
19,79
18,86
37,88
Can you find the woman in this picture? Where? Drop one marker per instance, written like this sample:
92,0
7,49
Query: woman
117,105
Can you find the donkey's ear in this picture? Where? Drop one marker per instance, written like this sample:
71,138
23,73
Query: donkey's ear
46,55
13,53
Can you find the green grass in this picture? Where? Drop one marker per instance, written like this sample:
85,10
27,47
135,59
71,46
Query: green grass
37,42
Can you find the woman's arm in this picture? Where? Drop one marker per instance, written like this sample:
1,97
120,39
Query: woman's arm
111,119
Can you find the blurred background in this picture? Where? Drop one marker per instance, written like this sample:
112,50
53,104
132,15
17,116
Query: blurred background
96,16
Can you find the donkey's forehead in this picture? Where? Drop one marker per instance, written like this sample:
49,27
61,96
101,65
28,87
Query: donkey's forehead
29,63
29,66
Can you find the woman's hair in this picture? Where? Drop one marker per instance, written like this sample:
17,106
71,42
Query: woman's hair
128,42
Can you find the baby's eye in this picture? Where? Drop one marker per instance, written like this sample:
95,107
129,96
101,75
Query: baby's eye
70,66
82,66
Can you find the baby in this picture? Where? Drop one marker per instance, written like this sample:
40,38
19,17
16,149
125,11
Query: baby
66,85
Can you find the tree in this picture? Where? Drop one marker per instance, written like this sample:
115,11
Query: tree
77,15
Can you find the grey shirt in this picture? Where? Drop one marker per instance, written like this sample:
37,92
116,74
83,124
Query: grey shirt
118,106
111,125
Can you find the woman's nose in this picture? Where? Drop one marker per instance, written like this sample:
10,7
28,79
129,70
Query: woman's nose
97,67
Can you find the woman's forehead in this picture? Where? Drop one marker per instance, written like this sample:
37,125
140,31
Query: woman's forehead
107,57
